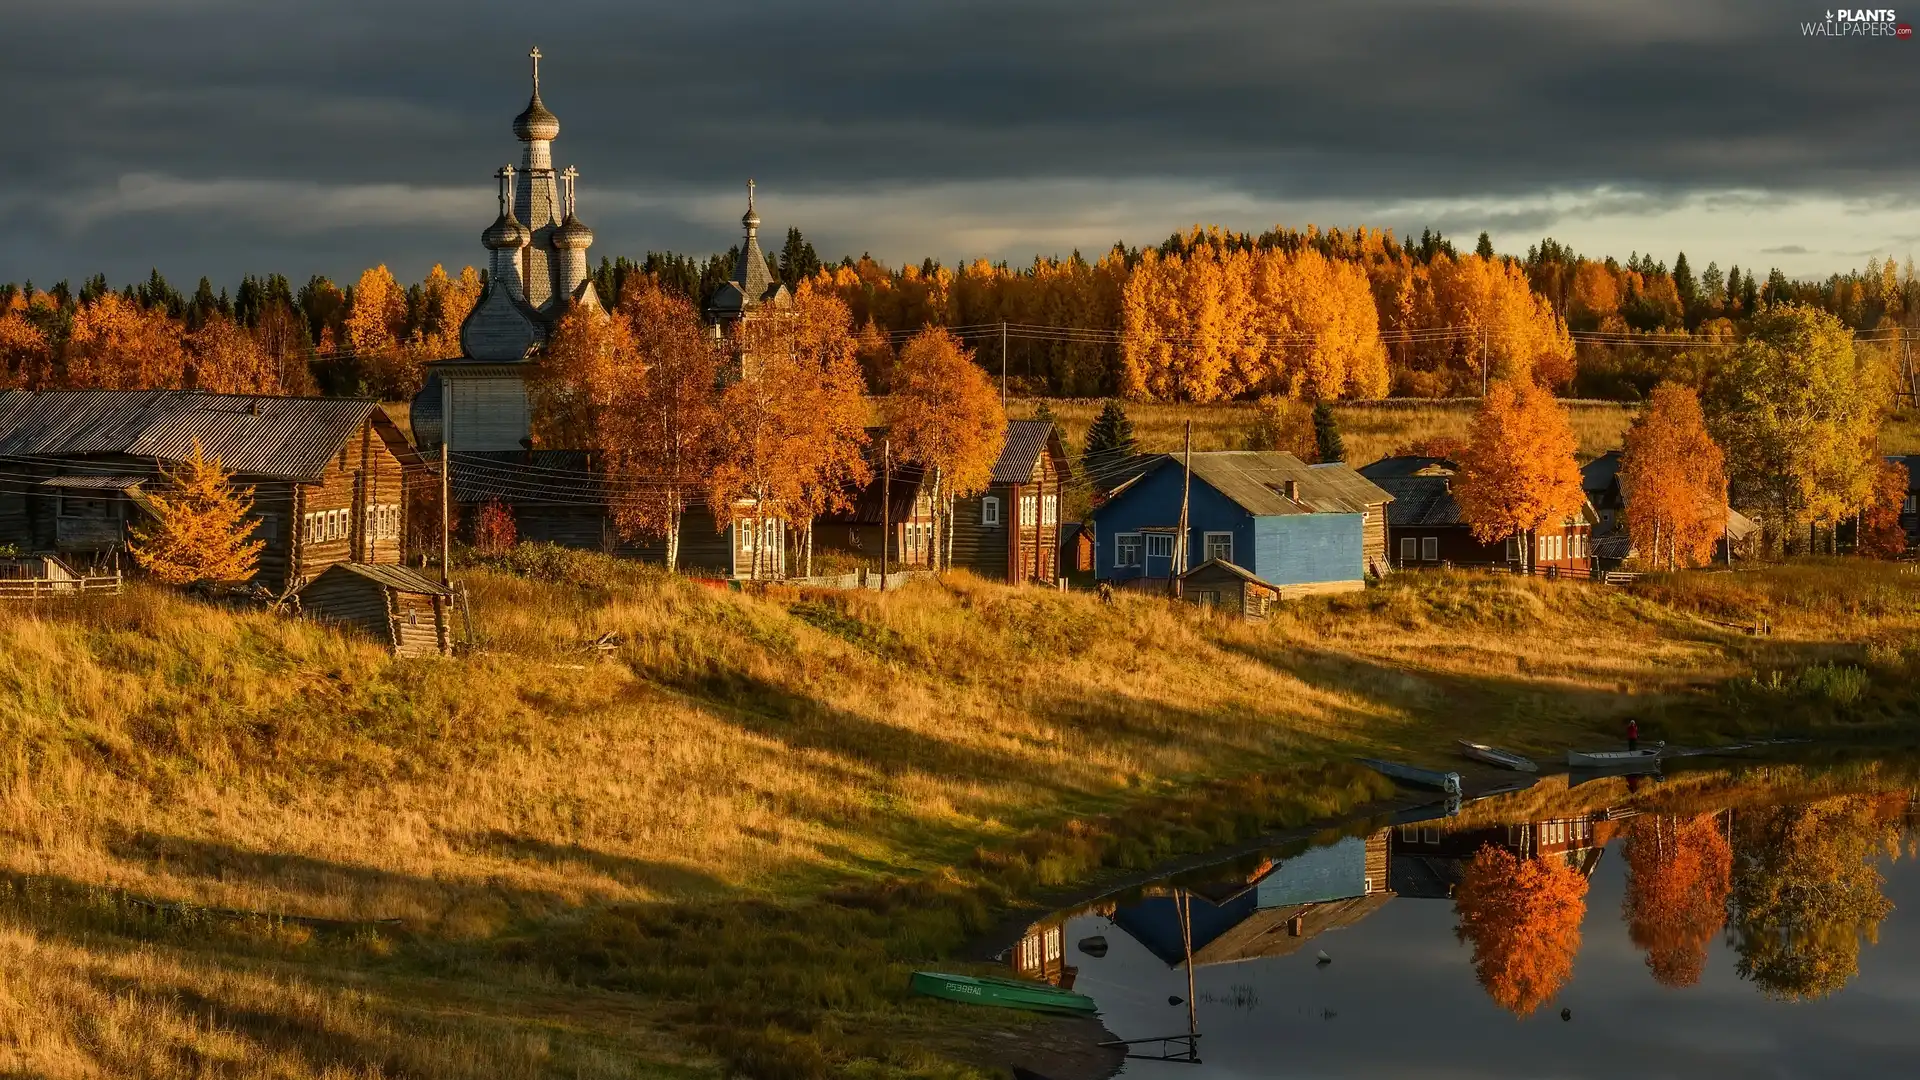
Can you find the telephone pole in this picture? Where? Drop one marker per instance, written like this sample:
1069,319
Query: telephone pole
1180,539
446,520
886,506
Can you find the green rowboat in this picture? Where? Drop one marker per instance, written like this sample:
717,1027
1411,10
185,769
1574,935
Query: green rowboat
1006,993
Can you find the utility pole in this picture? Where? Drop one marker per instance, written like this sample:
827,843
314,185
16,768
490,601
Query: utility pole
1180,539
1003,365
446,520
886,506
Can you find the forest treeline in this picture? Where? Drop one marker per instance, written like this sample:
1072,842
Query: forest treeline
1207,315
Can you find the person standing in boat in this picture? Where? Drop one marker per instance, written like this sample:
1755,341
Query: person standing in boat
1633,735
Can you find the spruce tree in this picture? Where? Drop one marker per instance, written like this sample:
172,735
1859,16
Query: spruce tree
1326,434
1111,435
1484,248
1685,287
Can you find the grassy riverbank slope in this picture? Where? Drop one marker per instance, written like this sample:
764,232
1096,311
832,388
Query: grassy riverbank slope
242,845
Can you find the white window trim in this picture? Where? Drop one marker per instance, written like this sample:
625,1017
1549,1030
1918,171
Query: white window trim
1429,549
1206,545
990,512
1166,538
1122,541
1409,549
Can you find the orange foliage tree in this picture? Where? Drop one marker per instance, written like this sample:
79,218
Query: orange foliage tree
829,409
946,416
376,329
1679,873
1522,917
1517,472
225,359
199,527
25,356
116,344
1675,481
659,450
1881,534
493,529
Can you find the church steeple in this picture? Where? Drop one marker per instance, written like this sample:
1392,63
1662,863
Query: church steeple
535,123
752,275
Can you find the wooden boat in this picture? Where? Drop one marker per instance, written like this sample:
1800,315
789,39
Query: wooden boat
1005,993
1448,782
1615,759
1493,755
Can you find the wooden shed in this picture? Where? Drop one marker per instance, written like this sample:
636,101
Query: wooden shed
1220,584
399,606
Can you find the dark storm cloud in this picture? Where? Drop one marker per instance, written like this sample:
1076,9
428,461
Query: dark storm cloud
219,137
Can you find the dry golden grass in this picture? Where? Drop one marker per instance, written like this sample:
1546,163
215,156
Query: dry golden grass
735,756
1370,431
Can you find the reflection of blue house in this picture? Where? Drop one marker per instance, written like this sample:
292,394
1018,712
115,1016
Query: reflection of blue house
1304,528
1321,889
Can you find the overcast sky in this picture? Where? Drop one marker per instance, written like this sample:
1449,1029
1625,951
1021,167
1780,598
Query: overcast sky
222,137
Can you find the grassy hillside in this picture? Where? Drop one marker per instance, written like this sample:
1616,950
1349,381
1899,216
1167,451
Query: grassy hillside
244,845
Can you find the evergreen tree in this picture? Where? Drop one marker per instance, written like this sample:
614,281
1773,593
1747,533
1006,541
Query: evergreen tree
1326,432
1685,287
200,527
797,260
1484,248
1110,437
1713,288
1749,294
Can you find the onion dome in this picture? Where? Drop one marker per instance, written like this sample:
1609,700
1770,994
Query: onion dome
506,232
571,235
536,122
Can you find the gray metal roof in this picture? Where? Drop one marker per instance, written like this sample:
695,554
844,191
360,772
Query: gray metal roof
251,435
1235,569
102,483
1026,441
1421,500
1406,465
393,577
1257,481
1599,475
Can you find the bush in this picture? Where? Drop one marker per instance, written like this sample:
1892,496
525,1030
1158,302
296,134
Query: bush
1841,685
561,565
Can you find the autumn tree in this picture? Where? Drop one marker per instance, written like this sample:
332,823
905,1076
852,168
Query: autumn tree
1881,534
1674,481
25,356
1517,472
661,439
444,302
1807,893
199,526
946,416
1522,916
226,359
1281,423
1679,873
576,385
493,528
1502,328
1798,413
116,344
874,349
376,327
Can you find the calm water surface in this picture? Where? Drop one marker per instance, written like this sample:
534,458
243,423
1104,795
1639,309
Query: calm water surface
1764,923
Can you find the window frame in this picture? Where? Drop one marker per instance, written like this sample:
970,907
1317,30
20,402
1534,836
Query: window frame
1409,550
1206,545
1122,542
1162,538
1429,549
990,512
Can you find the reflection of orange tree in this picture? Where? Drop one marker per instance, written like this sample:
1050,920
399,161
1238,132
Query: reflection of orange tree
1678,874
1523,918
1806,891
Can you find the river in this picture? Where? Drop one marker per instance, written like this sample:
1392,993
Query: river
1755,921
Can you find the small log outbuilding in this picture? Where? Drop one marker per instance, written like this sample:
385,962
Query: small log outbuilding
1235,590
396,605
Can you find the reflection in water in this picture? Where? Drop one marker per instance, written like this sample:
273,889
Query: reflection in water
1806,891
1724,883
1522,914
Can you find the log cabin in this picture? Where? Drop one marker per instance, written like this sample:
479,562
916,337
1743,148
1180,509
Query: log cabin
1426,528
1012,532
328,474
396,606
908,515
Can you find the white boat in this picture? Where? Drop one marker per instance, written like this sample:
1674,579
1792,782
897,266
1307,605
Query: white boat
1615,759
1448,782
1493,755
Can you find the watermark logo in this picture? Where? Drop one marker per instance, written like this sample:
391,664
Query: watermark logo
1858,22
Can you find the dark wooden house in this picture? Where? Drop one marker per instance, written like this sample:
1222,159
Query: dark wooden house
1219,584
559,497
327,473
1425,527
909,516
1612,545
1012,533
397,606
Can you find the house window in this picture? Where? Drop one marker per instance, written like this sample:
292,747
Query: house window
1409,549
1050,510
1210,597
1027,506
745,532
990,512
1159,545
1126,549
1513,549
1912,504
1219,545
1430,548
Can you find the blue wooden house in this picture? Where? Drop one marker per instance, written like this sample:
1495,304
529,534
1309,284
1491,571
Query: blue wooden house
1302,528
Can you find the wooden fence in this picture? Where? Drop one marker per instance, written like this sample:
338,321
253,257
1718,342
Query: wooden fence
48,588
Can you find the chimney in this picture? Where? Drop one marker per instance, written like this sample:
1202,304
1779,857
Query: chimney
1293,490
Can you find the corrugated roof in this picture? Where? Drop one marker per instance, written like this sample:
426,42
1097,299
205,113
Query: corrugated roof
1257,481
1026,441
105,483
1235,569
251,435
393,577
1406,465
1421,500
1599,475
